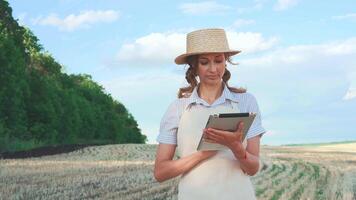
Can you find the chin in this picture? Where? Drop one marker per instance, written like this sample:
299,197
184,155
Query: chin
212,81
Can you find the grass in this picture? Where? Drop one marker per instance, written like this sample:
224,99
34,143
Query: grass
296,195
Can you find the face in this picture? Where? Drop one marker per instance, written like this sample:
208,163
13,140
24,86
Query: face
211,68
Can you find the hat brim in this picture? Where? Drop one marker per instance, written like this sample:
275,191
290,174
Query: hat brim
182,59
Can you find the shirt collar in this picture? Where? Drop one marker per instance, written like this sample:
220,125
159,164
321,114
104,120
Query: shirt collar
226,94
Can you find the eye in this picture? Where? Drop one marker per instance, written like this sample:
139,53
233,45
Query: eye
203,62
218,61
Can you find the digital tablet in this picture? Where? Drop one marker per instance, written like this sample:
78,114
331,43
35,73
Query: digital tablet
227,122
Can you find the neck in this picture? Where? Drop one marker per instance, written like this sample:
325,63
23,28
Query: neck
210,92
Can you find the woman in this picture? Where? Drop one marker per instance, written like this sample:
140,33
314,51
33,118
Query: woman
222,174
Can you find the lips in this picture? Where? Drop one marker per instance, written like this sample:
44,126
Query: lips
212,77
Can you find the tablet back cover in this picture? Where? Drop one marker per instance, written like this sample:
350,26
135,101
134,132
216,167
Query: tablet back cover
227,122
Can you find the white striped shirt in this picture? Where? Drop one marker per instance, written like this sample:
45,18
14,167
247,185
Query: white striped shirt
246,102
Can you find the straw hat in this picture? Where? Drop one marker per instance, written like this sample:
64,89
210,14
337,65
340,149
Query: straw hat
206,41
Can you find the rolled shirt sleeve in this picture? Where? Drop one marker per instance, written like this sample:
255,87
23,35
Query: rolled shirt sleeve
256,126
169,125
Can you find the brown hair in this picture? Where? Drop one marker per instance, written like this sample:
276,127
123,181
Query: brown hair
190,75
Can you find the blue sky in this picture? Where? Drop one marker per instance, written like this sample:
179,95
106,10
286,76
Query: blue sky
298,57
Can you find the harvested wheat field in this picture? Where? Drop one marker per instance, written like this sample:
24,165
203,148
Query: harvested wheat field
125,172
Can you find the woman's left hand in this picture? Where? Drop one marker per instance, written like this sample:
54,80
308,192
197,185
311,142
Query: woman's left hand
227,138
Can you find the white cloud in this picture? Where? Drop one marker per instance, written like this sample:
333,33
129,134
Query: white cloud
243,22
285,4
315,75
351,16
350,94
205,7
303,53
83,20
154,48
161,48
250,42
289,55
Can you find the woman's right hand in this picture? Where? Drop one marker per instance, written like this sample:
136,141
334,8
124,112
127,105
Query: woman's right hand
166,168
201,156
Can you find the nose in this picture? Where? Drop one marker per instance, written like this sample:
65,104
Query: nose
212,67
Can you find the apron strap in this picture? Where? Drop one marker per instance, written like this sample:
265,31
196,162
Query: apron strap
187,107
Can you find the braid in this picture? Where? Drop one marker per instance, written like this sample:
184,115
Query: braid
190,75
226,76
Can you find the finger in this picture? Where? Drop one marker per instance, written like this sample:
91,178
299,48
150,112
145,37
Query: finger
239,137
206,139
240,127
205,135
215,139
210,141
213,135
224,136
218,132
240,132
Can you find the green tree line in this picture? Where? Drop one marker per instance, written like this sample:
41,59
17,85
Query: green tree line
41,106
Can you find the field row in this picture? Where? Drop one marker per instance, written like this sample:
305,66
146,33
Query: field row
126,172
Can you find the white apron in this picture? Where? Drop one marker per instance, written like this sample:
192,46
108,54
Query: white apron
219,177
